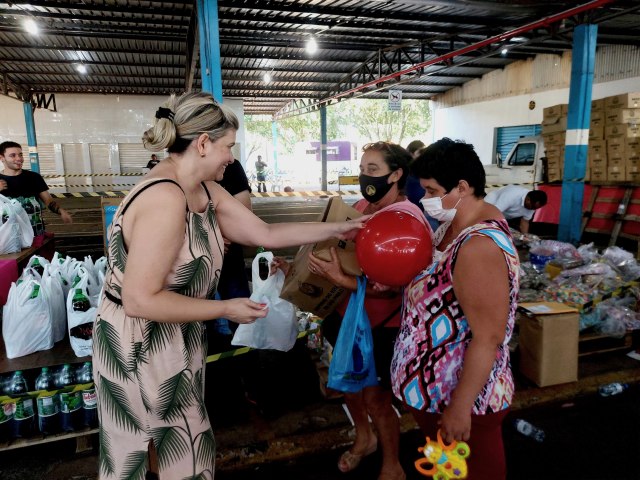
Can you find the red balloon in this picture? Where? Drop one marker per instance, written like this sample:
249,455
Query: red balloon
393,247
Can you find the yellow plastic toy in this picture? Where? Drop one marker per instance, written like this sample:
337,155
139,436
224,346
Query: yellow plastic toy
443,462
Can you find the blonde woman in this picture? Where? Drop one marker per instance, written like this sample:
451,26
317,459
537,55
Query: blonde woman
165,255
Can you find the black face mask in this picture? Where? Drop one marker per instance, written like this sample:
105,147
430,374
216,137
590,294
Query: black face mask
374,188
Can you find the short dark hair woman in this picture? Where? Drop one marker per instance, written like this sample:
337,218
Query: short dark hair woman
451,359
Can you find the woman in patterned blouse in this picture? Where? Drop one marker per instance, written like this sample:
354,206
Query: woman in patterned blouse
451,360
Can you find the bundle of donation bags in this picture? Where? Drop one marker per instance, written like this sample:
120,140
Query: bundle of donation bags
49,300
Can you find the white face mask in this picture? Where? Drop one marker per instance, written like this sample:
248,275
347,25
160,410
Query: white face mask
433,207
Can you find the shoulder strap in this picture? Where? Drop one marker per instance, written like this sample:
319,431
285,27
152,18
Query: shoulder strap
150,184
206,190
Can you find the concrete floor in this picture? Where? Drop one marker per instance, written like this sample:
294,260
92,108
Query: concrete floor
588,437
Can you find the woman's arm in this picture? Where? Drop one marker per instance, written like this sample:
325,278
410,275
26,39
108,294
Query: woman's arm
154,229
481,285
242,226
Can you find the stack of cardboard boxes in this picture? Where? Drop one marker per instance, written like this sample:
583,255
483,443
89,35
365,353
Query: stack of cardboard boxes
622,134
614,139
554,128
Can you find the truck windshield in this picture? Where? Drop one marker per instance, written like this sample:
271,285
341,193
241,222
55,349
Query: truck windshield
524,154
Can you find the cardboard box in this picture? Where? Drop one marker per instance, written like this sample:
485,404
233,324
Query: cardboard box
626,100
554,151
554,139
597,105
548,343
310,292
555,111
630,116
596,132
615,152
616,174
338,211
597,118
554,162
554,124
598,174
554,174
621,130
633,177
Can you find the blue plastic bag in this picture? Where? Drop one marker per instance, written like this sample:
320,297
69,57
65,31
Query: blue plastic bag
352,367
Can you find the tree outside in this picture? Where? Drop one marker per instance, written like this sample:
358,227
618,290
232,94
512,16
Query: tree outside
358,121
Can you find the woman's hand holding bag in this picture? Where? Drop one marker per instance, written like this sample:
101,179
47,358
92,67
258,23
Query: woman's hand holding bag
279,329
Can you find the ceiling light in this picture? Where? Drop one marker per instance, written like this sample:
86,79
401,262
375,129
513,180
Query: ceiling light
266,77
31,26
312,46
505,51
81,69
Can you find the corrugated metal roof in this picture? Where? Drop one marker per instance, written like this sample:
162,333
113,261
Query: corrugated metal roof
149,47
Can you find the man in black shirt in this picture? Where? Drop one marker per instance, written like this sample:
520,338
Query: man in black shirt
16,182
153,162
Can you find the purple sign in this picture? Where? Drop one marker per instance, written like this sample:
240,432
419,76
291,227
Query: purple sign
337,151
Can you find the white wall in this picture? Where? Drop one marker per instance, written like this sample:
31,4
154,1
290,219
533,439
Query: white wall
88,118
476,123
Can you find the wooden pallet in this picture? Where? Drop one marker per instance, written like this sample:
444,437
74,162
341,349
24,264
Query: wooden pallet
83,440
593,343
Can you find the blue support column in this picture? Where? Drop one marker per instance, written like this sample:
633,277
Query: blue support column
209,35
577,141
323,145
29,121
274,137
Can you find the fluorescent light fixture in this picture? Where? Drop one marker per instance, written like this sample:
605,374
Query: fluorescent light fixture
266,77
312,46
31,26
81,69
505,51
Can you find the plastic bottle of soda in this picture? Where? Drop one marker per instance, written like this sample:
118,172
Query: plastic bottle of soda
35,292
529,430
80,302
70,401
23,413
48,403
37,267
89,398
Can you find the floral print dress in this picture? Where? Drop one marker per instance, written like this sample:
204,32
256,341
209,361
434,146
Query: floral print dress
149,375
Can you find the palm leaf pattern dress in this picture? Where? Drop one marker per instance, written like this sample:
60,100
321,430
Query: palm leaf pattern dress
149,375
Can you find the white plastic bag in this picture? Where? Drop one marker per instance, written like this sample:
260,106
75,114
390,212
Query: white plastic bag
15,229
81,322
54,294
279,329
26,325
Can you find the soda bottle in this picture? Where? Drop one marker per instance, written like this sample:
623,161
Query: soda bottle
89,397
48,403
23,411
263,265
612,389
37,267
70,401
80,302
27,205
529,430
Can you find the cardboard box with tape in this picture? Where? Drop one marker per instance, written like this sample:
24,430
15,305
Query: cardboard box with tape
312,293
548,342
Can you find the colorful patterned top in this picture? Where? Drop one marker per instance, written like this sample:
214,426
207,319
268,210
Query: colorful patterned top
434,334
